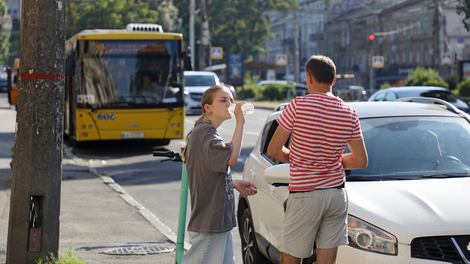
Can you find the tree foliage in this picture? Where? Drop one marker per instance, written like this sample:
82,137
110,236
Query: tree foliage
463,8
116,14
243,25
235,25
464,88
4,37
425,77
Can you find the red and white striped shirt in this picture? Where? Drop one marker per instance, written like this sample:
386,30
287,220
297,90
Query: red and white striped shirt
320,127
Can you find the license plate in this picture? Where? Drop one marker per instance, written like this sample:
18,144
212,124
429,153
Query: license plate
132,135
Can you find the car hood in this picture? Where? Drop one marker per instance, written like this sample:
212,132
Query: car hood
413,208
196,89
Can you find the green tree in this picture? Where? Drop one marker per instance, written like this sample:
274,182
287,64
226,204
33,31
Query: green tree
116,14
463,8
4,37
425,77
236,25
243,25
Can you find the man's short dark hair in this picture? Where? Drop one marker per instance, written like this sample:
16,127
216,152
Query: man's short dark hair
322,69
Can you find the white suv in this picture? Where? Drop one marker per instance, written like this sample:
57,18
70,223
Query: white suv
410,205
196,83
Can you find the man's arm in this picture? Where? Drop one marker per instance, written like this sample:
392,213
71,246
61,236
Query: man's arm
357,159
276,147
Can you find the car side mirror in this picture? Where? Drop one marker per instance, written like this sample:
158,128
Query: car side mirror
278,175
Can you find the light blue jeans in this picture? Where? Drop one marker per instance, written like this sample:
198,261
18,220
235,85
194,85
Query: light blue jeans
213,248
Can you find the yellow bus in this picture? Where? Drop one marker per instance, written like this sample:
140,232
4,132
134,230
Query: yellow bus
125,84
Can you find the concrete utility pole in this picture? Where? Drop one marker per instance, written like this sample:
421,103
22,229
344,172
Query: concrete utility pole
33,229
203,36
191,31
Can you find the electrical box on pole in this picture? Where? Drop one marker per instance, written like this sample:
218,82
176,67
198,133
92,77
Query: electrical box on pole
33,230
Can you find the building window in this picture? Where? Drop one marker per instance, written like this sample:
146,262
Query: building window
403,57
396,57
404,29
425,55
418,28
425,27
417,56
411,29
411,56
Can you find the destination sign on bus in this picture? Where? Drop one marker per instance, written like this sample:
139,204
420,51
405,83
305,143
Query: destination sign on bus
131,47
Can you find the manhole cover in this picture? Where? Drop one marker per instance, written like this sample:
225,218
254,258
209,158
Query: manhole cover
137,250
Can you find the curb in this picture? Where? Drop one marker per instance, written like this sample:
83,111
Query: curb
149,216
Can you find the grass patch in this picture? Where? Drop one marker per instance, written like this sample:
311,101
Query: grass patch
67,258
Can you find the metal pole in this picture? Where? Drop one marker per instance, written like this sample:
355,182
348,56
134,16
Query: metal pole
296,50
371,70
182,216
191,31
33,229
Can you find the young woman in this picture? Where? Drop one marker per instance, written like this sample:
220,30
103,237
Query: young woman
208,159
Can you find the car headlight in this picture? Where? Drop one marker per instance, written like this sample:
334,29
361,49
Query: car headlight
365,236
186,94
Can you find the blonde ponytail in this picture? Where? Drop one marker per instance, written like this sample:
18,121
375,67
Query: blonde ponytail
207,98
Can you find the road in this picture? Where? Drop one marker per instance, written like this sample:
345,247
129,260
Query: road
157,185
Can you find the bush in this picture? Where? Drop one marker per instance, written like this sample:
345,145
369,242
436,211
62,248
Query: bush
438,83
385,85
250,92
271,92
453,81
422,77
464,88
277,92
68,258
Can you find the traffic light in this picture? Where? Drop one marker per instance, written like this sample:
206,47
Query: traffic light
371,37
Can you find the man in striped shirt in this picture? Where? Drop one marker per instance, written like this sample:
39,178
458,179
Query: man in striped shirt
320,125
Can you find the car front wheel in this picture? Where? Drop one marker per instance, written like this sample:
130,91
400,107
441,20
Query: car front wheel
250,250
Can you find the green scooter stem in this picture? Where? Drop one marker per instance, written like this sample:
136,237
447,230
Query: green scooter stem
182,216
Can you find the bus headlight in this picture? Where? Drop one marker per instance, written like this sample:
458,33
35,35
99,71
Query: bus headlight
179,124
85,135
172,125
83,126
365,236
177,133
90,127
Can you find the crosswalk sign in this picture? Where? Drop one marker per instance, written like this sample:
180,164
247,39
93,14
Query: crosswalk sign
217,53
377,61
446,58
281,59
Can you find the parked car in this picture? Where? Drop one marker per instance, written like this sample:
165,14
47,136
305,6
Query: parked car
410,205
391,94
350,93
195,84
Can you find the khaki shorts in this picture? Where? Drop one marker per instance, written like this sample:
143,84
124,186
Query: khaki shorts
318,216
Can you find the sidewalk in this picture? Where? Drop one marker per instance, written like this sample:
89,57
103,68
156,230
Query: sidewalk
94,215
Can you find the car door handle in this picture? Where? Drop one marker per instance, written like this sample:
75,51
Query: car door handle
253,173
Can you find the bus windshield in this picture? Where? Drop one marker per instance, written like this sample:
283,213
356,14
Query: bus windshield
129,74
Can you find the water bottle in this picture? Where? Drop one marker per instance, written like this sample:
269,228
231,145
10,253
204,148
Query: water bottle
247,108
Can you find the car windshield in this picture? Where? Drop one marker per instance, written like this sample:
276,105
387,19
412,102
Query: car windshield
415,147
199,80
